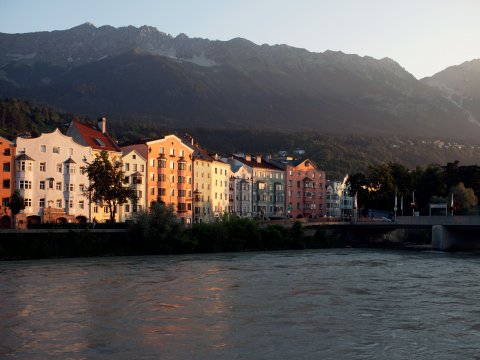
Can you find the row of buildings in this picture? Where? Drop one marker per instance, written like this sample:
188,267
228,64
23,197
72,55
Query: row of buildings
200,186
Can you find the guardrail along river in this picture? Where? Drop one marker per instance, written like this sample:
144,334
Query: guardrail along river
325,304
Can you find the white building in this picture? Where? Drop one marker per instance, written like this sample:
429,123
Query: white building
135,168
49,178
339,201
242,186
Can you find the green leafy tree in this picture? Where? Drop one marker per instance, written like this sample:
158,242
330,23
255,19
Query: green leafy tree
107,183
159,228
16,203
464,199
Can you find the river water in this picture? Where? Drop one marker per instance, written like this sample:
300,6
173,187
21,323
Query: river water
325,304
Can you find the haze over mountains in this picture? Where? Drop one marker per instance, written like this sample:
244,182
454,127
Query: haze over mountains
144,74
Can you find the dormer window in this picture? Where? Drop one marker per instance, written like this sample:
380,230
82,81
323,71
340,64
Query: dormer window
56,149
99,142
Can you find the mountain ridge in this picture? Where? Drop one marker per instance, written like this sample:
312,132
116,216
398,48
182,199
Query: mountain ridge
131,72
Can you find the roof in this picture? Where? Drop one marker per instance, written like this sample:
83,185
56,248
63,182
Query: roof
94,137
24,157
200,153
69,161
254,164
140,149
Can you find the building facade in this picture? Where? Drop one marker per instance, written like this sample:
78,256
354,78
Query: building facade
268,187
135,169
340,203
241,191
220,176
202,182
7,178
170,175
305,195
95,136
49,178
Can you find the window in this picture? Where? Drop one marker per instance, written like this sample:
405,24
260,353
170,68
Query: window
43,148
41,203
42,185
59,168
28,202
127,208
58,186
22,165
262,186
142,168
81,204
25,184
152,191
105,209
162,150
56,150
172,164
71,188
172,152
162,191
95,209
6,183
127,167
182,166
71,169
6,167
43,167
70,151
70,204
81,188
182,193
6,152
162,163
59,203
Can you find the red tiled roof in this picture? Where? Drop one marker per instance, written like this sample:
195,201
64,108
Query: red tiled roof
94,137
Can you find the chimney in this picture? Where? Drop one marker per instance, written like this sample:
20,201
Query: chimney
248,157
102,124
259,159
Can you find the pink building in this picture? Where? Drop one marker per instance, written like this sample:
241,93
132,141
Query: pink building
305,195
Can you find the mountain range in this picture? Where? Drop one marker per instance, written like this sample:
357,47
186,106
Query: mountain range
142,74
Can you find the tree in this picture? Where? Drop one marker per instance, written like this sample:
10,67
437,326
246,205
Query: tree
16,203
464,199
159,228
107,183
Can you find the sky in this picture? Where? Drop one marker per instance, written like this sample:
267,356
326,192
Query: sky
423,36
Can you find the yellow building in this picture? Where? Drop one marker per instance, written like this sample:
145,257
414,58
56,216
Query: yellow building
220,175
97,137
202,204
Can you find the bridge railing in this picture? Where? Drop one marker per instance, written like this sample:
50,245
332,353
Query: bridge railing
438,220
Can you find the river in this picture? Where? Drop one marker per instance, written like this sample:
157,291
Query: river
324,304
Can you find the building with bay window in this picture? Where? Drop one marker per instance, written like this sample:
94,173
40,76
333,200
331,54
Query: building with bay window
48,176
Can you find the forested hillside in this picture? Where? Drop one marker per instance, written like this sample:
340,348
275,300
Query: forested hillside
336,154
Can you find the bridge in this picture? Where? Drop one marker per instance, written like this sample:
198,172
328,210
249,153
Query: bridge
448,233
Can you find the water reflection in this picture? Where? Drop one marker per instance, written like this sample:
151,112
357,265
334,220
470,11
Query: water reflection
321,304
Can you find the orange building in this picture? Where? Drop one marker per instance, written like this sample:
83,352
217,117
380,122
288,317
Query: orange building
7,186
170,174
